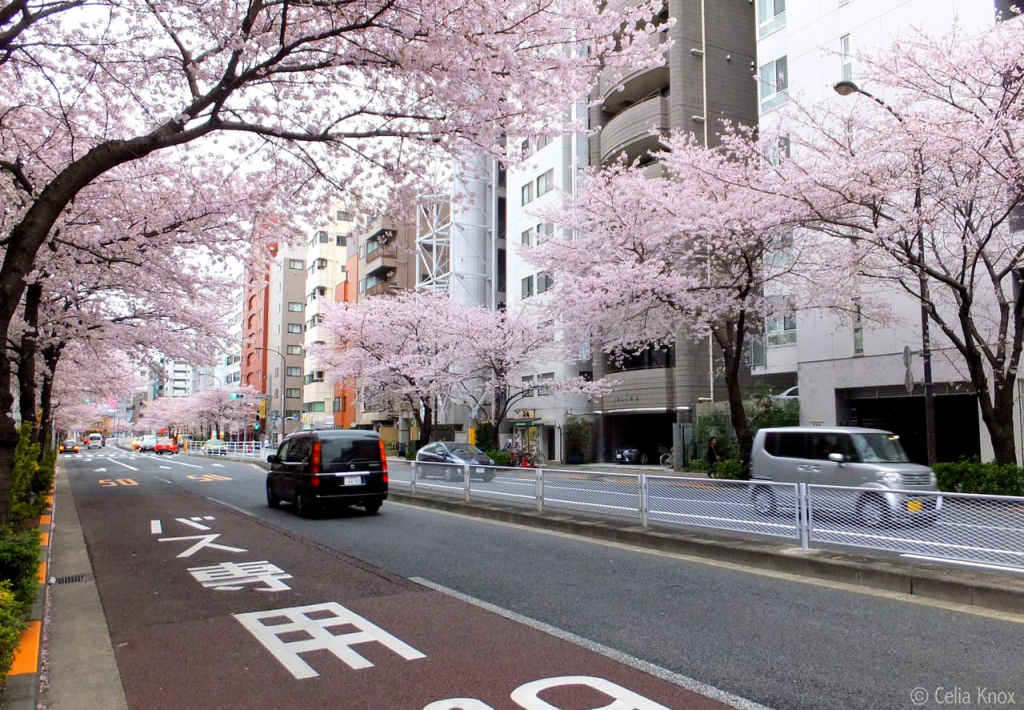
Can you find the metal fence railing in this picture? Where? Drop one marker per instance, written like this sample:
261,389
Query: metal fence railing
973,529
253,450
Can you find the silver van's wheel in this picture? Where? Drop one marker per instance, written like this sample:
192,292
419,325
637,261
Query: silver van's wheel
763,499
873,512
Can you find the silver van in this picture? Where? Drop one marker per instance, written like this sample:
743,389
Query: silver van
869,459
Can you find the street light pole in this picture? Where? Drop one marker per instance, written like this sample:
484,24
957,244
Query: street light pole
848,88
284,369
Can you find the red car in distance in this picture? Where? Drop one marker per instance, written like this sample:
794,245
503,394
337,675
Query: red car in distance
166,446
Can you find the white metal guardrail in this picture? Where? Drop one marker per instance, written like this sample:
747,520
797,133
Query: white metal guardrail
972,529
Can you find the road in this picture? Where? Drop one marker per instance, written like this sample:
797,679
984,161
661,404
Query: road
757,636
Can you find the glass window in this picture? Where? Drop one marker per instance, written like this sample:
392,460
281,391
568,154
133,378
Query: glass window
527,287
544,282
295,327
315,407
347,450
846,54
296,264
879,448
527,237
774,83
527,193
771,16
294,350
340,240
295,306
543,141
293,392
336,405
546,182
294,372
300,450
858,328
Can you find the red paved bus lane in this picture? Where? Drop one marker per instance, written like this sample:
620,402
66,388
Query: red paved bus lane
208,608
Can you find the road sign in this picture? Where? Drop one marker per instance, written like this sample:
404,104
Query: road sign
908,381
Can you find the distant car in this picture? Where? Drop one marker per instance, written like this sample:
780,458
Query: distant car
147,443
632,453
166,446
447,459
215,447
69,447
790,393
96,441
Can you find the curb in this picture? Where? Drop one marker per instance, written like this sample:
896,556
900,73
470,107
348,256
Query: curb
947,584
22,689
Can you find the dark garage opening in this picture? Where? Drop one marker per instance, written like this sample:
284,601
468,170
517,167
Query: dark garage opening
649,432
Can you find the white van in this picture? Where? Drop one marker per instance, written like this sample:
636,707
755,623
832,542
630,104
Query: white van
871,460
95,441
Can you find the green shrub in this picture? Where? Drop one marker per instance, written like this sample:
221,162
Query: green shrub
11,626
577,438
972,476
501,458
486,436
26,463
19,565
729,468
698,465
42,481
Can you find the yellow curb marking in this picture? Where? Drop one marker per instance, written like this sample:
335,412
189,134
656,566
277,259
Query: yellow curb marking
45,519
26,657
42,572
45,539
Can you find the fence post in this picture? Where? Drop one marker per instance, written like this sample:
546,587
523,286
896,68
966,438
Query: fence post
415,470
803,515
643,500
465,480
540,490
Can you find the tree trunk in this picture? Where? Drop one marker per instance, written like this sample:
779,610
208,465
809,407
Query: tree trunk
427,425
730,339
8,437
51,356
27,359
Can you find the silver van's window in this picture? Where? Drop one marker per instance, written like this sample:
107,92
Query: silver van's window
879,448
787,444
821,445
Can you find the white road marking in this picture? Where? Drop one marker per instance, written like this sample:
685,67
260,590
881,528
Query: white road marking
182,463
155,527
99,470
166,468
123,464
694,686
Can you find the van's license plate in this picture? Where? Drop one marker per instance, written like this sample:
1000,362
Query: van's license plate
915,506
352,481
480,469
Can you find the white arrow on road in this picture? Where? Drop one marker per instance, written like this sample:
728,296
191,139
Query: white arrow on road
99,470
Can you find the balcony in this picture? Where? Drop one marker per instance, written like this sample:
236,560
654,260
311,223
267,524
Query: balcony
380,288
381,257
635,131
635,84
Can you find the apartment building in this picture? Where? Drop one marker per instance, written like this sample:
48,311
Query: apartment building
325,267
855,372
708,76
285,322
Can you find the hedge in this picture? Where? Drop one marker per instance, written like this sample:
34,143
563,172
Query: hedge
12,623
972,476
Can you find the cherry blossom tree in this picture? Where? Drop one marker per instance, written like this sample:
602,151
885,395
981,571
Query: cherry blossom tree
652,260
346,90
924,188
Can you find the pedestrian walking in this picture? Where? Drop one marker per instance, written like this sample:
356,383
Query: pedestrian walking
713,456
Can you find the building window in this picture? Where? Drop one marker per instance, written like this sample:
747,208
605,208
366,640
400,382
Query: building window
543,141
543,390
527,193
771,16
341,240
313,407
294,350
336,405
527,287
777,150
320,264
544,282
295,306
774,83
322,237
296,264
846,53
546,182
527,386
858,328
525,147
527,237
295,327
544,232
343,216
781,328
293,392
293,371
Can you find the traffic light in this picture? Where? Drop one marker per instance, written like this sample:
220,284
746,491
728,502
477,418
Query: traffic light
236,395
256,426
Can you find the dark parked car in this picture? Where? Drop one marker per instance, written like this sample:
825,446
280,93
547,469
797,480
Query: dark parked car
338,467
456,456
70,446
635,454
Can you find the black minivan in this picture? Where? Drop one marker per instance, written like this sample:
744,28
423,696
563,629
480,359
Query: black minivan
334,467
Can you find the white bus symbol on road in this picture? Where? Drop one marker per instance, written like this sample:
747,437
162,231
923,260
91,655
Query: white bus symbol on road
315,620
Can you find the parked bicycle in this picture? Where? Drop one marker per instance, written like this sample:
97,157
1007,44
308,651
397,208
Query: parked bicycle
668,458
527,458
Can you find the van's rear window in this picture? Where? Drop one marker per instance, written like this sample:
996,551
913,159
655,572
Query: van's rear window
350,450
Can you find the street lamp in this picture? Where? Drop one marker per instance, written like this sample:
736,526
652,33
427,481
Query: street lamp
848,88
281,384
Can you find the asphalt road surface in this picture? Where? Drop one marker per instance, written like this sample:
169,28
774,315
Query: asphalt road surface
772,640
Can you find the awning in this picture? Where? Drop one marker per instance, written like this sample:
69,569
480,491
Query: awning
523,423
